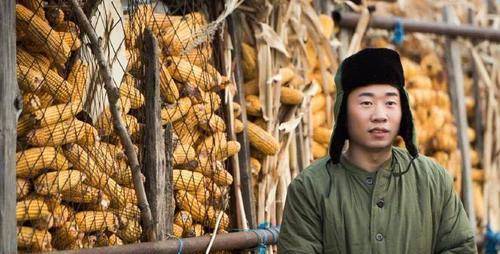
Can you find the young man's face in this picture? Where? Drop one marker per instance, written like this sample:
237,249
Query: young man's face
373,116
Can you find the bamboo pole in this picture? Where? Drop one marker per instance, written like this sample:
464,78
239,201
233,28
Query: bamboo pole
113,95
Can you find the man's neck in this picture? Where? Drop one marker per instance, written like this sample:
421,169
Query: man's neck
369,161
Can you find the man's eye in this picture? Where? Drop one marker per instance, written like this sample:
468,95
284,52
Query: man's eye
391,103
366,103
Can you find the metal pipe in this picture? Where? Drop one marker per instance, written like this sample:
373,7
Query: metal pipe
230,241
350,19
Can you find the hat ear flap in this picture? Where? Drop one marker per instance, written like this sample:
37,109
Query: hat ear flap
340,134
407,128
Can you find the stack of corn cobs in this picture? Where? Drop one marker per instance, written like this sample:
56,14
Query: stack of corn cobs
74,184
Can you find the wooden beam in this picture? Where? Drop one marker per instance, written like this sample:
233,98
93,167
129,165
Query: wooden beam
10,107
154,144
456,86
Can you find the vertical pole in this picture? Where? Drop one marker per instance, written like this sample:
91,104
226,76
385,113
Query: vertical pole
154,146
10,107
456,86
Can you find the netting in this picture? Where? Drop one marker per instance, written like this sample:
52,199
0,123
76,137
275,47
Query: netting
74,183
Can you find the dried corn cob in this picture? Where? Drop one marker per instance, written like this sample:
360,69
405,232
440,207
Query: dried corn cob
95,177
322,135
128,89
130,195
29,79
127,213
236,109
195,230
212,143
24,124
227,149
187,180
168,88
55,15
255,166
131,232
262,140
82,193
249,55
211,101
318,103
173,113
91,221
31,102
78,78
36,61
33,239
238,126
213,124
103,157
291,96
61,214
41,32
66,235
183,219
177,39
177,230
187,72
189,203
318,150
198,56
253,105
35,6
31,162
105,240
23,187
219,175
69,131
33,210
202,195
89,241
57,113
53,183
318,118
287,74
33,80
212,218
183,154
123,174
104,122
71,40
251,87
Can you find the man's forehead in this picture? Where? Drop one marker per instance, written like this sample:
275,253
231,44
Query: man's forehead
377,90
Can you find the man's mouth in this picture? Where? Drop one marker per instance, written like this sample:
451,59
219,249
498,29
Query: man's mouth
378,130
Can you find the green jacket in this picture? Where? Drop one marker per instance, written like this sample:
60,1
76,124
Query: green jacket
339,208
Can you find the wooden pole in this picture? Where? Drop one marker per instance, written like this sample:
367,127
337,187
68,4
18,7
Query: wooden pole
169,188
10,108
244,154
154,145
118,124
455,77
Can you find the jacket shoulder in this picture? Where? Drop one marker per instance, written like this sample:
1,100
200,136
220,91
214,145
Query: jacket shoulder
315,178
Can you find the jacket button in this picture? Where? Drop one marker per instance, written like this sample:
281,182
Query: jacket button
369,180
380,203
379,237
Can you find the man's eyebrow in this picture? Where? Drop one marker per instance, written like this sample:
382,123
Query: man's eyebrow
390,94
366,94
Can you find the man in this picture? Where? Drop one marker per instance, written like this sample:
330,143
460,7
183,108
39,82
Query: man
374,198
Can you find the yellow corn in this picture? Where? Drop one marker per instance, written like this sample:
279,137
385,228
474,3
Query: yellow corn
131,232
83,193
53,183
183,154
318,150
215,123
251,87
187,180
69,131
177,230
186,134
36,62
262,140
218,174
318,118
95,177
123,174
78,77
183,219
67,26
30,163
227,149
318,103
31,102
33,210
291,96
187,72
195,230
168,88
41,32
188,202
35,6
249,64
253,105
29,79
33,239
61,214
89,241
24,124
128,89
55,15
238,126
211,101
105,240
57,113
108,163
104,122
201,194
130,195
46,99
173,113
127,213
71,40
23,187
177,38
91,221
212,218
287,74
66,235
322,135
255,166
236,109
198,56
212,144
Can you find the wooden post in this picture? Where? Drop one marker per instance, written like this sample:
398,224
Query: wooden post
244,154
154,146
169,189
10,107
456,86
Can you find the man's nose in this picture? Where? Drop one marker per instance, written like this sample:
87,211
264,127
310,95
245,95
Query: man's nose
379,114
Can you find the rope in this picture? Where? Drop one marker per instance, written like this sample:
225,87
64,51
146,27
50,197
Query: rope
399,33
181,246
